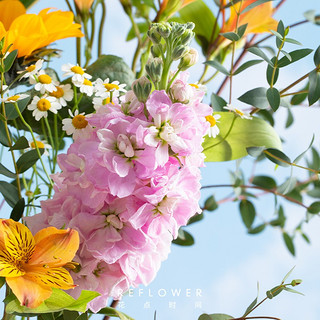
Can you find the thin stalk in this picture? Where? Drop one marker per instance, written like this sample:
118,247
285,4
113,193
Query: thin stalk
296,82
113,304
102,20
292,93
211,78
69,6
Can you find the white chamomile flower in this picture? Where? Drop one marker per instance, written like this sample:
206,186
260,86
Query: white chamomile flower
15,98
32,70
40,106
239,112
87,87
78,74
198,86
63,93
43,82
41,145
213,131
77,125
98,102
104,88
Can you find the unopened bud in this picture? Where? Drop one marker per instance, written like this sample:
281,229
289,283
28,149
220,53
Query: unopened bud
164,29
187,37
179,52
156,50
179,30
142,88
84,5
190,25
154,69
189,59
296,282
29,194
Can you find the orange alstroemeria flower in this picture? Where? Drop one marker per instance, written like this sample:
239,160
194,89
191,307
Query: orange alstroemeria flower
84,5
170,7
259,19
34,265
28,32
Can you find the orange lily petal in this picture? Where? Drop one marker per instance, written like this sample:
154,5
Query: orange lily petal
8,266
54,247
52,277
18,240
28,292
10,10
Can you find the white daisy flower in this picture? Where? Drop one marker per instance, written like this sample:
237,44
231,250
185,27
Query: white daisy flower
104,88
41,145
14,98
213,131
40,106
98,102
77,73
32,70
63,93
87,87
77,125
43,82
239,112
198,86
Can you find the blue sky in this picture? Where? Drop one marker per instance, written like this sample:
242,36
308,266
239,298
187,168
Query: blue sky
226,263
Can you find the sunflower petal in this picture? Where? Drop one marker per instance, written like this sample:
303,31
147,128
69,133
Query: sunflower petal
18,240
28,292
10,10
54,247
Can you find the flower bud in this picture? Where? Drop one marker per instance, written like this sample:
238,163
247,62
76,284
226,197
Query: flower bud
179,30
187,37
84,5
296,282
189,59
179,52
154,35
164,29
156,50
180,92
154,69
190,25
142,88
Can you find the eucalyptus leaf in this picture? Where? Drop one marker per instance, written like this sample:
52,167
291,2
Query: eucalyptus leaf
290,118
300,156
111,312
210,204
9,192
257,229
8,62
258,52
316,57
17,210
254,4
264,182
314,208
20,144
289,243
11,112
232,36
256,97
246,65
184,238
248,212
314,87
6,172
273,97
295,55
215,316
242,29
217,65
278,157
27,160
217,103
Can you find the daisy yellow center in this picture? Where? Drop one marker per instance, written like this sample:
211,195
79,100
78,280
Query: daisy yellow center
45,79
211,120
194,85
31,68
239,112
38,143
79,121
111,86
43,104
58,93
77,69
13,98
106,101
87,82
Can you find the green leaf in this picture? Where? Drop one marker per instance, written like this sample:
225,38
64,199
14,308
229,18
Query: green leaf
21,143
255,151
316,57
254,4
270,74
287,55
256,97
217,65
248,212
257,229
210,204
6,172
295,56
274,292
258,52
143,28
273,97
217,103
10,193
111,312
314,193
264,182
2,281
242,29
289,243
58,301
70,315
252,304
287,275
11,112
314,87
281,31
232,36
277,34
314,208
184,238
290,118
277,157
17,210
197,217
293,41
215,316
293,291
201,15
83,316
28,3
247,65
300,156
3,136
244,134
27,160
287,186
8,62
266,115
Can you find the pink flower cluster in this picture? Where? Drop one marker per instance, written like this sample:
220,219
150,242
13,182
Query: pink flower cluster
128,186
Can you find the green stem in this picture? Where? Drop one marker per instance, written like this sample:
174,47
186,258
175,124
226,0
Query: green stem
50,133
35,142
225,137
211,78
173,78
103,17
293,93
69,6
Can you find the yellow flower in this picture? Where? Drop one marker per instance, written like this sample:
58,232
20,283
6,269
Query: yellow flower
34,265
170,7
84,5
28,32
259,19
